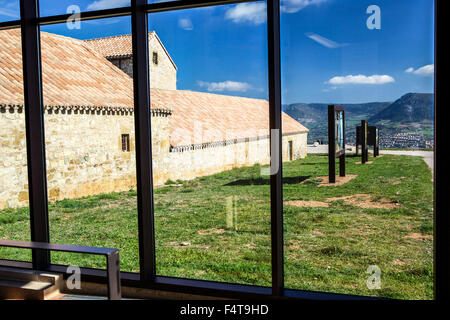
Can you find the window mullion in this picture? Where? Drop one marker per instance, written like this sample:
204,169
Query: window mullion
276,185
34,120
143,140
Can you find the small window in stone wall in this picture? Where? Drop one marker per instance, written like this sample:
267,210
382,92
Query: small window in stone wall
126,143
155,58
291,150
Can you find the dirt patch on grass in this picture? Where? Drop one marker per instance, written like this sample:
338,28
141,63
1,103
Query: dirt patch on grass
395,181
307,204
366,201
324,182
419,236
399,262
184,245
368,162
211,231
294,245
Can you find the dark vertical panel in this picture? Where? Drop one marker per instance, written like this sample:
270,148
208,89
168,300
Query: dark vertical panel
363,141
34,121
276,185
141,78
331,145
441,216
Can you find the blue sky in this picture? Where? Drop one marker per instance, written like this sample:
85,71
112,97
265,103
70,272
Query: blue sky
329,54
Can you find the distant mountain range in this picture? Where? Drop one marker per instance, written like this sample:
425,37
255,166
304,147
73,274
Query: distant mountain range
411,113
315,112
411,108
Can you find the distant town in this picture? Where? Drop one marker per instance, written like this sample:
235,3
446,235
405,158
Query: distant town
402,141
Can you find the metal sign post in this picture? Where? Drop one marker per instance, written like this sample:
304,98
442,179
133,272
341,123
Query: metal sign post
336,141
372,139
364,145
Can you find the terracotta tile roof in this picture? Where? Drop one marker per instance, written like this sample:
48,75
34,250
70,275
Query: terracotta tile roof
114,47
73,74
216,117
121,46
76,75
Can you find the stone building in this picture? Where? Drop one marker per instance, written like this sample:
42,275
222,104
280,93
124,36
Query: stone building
119,51
89,122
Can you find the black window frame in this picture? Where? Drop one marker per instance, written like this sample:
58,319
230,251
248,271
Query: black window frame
30,23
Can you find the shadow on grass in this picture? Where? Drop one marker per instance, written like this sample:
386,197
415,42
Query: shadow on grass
266,181
313,163
353,155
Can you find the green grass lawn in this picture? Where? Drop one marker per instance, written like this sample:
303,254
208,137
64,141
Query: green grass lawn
218,228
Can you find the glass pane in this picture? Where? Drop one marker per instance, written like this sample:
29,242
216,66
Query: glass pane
14,211
210,145
90,140
371,232
9,10
56,7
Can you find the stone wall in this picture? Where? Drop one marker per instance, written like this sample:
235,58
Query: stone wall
84,153
85,157
162,76
187,165
13,159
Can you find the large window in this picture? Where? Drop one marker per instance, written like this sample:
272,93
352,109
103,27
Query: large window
212,205
182,174
89,123
371,232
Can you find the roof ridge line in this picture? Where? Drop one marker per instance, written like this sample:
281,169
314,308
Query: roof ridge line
219,94
111,37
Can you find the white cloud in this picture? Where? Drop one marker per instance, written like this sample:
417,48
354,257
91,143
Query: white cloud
329,89
107,4
9,13
324,41
225,86
186,24
424,71
254,13
292,6
9,9
361,79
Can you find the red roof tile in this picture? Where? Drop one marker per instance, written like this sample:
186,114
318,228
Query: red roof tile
73,74
76,75
204,117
